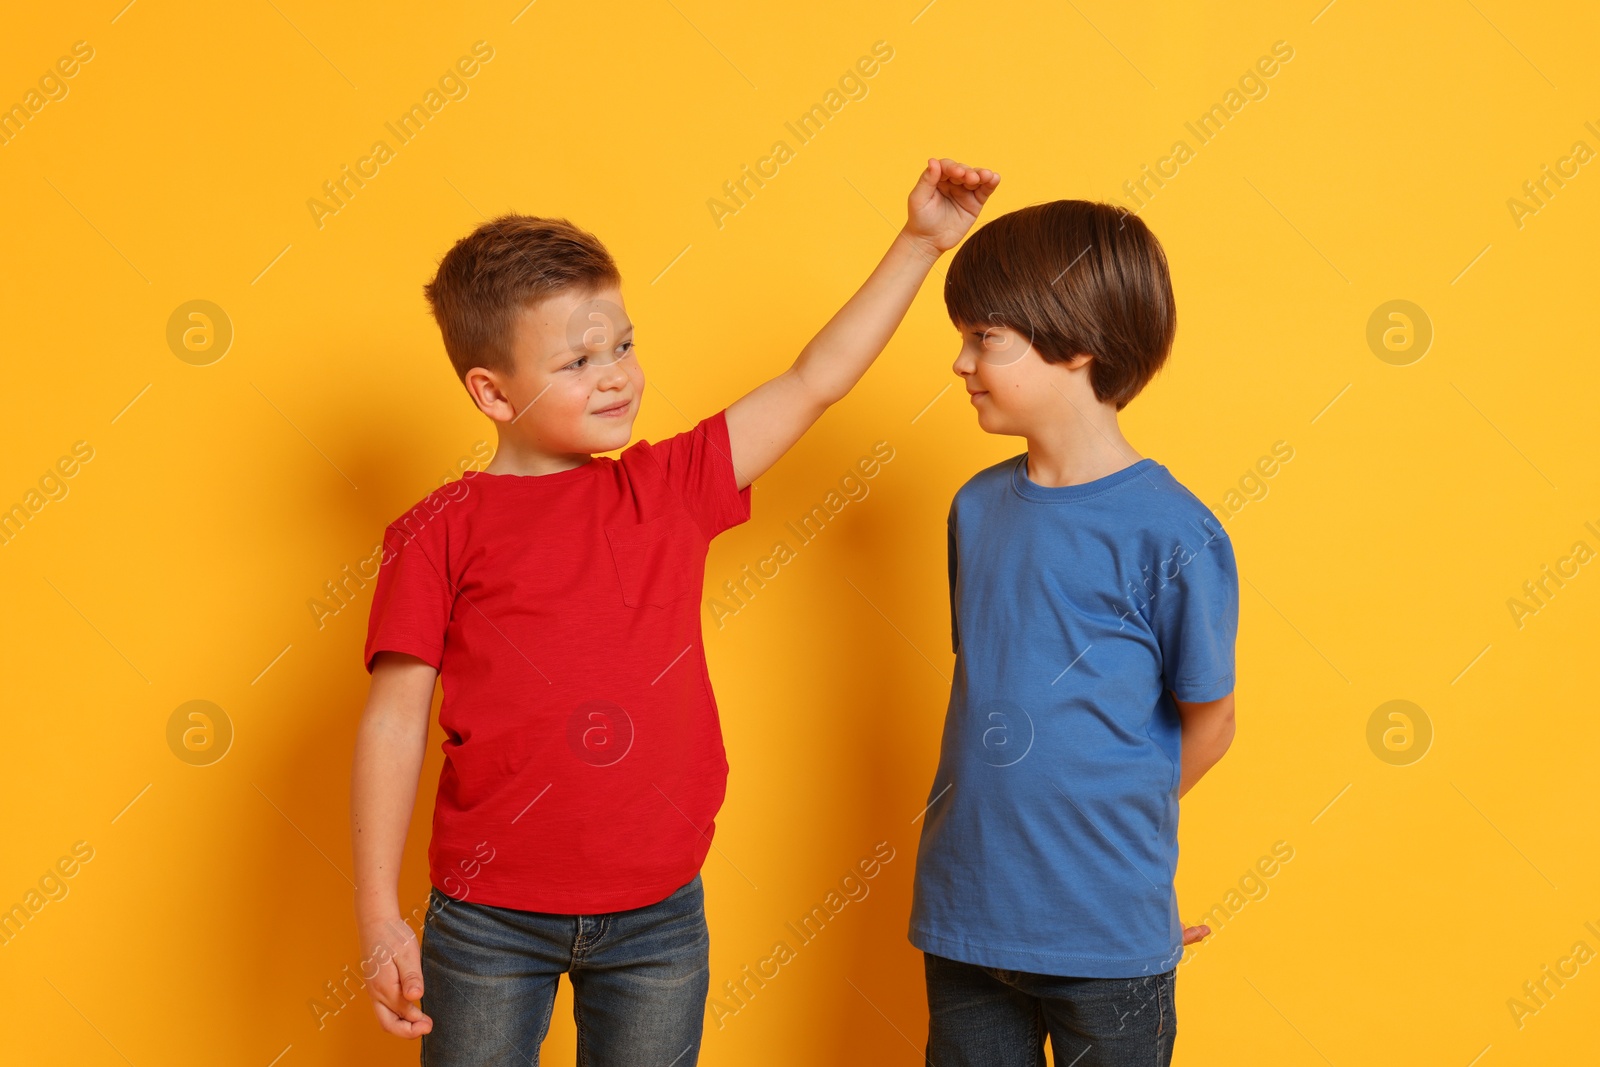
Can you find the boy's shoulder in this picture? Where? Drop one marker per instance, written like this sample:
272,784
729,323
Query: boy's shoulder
709,436
991,480
1168,503
1145,495
433,503
641,462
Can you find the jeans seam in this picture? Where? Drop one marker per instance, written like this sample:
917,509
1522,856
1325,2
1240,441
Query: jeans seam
580,940
583,1044
1161,1028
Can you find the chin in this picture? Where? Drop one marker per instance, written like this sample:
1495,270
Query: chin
614,437
1003,428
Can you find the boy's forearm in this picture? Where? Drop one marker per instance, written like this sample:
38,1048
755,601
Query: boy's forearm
767,421
1203,745
836,358
1206,732
388,763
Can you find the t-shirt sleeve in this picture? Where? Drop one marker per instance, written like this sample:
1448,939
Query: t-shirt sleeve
1196,616
698,465
412,601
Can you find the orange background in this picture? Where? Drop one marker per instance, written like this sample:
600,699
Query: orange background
1379,561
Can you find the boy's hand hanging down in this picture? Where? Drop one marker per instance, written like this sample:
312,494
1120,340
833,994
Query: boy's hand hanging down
390,745
396,989
1208,730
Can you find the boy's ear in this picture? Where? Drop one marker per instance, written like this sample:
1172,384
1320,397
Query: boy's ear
484,386
1077,362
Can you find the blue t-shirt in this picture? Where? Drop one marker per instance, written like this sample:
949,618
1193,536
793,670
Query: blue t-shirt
1050,840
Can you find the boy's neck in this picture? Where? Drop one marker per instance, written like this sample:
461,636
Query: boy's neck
517,457
1082,446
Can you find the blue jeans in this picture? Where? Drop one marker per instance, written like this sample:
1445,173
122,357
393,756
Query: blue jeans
639,981
985,1017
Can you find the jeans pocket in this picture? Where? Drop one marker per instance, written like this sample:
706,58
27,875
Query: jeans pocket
1120,1009
656,560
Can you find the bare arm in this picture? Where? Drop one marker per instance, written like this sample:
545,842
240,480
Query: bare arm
1207,733
390,745
766,422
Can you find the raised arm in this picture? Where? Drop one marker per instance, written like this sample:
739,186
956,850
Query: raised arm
766,422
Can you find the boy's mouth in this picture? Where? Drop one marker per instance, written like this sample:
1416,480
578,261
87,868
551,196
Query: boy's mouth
614,410
976,393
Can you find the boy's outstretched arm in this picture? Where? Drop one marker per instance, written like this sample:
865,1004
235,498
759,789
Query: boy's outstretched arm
766,422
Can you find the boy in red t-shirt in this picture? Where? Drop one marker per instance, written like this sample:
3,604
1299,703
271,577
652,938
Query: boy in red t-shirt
555,595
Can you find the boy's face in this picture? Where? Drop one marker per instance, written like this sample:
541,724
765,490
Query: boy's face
1009,383
577,384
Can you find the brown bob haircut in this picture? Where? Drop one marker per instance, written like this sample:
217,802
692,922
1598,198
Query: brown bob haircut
1076,277
495,271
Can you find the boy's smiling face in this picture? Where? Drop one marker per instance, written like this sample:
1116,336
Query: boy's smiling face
1009,383
577,384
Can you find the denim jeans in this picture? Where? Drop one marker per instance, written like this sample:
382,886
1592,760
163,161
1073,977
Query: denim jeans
639,981
985,1017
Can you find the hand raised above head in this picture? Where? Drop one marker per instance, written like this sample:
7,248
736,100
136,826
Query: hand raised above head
946,201
767,421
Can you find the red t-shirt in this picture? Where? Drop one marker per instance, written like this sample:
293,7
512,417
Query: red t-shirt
583,751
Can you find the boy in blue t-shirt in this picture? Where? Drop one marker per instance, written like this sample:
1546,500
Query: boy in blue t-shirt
1094,605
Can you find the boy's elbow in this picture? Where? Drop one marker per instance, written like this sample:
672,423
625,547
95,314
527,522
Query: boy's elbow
820,392
1225,730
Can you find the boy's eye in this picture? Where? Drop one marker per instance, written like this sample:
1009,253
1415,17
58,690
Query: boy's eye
625,349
